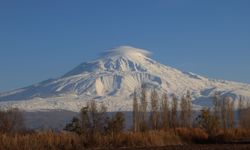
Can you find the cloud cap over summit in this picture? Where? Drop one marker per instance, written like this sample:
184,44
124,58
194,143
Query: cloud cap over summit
126,51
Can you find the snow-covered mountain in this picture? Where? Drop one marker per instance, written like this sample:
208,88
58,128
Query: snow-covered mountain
112,79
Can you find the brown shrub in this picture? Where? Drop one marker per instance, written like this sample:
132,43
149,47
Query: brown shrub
192,135
51,140
65,140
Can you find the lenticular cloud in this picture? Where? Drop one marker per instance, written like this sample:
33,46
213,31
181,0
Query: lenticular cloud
125,51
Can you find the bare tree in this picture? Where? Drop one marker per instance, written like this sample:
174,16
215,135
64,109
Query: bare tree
11,121
154,116
240,111
186,110
230,111
217,106
97,117
102,116
224,113
243,113
93,115
246,118
92,120
165,112
189,109
143,109
115,125
208,121
135,113
174,115
227,113
84,120
183,112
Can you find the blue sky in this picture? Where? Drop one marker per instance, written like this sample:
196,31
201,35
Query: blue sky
45,39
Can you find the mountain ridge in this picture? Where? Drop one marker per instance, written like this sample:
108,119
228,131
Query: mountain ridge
112,78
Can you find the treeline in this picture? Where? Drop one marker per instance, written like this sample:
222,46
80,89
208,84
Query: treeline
93,121
158,119
166,112
161,113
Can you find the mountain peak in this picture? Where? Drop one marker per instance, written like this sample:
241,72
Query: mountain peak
112,79
122,58
126,51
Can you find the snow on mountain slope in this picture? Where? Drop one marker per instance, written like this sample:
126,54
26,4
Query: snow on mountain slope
112,79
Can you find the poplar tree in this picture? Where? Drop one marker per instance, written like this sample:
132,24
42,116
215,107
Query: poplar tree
135,113
165,111
174,117
143,109
183,112
154,115
217,106
231,120
240,111
189,109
